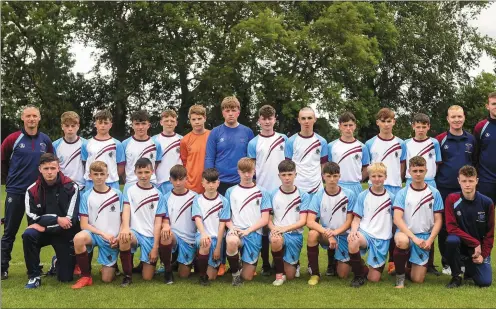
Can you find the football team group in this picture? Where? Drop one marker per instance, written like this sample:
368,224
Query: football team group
225,195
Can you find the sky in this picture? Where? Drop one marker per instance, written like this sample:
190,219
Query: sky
485,24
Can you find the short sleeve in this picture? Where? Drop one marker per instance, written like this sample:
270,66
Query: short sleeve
437,150
225,212
329,151
314,205
400,200
56,145
195,209
288,150
359,204
125,198
438,202
83,204
158,156
403,150
305,202
368,147
351,200
119,152
252,148
161,209
121,200
84,151
324,150
266,204
365,156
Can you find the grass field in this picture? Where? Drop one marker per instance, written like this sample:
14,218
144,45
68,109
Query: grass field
331,292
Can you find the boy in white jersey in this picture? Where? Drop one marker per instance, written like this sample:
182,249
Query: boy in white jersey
371,228
104,148
267,148
100,212
210,215
288,217
140,145
332,205
418,215
68,149
249,213
169,142
178,230
308,150
424,146
143,211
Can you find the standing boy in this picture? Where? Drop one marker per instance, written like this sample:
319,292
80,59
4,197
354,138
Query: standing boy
248,213
289,205
210,215
100,211
169,142
417,214
68,149
332,207
104,148
193,148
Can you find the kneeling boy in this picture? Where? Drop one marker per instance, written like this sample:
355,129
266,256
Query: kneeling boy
100,211
289,205
210,216
249,213
371,228
332,205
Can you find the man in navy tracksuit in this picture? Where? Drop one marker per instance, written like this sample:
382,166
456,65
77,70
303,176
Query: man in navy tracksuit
21,153
470,224
52,205
457,150
485,133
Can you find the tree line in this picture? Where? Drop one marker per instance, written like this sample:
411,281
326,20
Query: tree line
357,56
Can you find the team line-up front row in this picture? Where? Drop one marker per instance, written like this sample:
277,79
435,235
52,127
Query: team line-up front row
195,225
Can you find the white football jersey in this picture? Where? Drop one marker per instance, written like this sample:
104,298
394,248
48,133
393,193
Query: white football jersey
109,151
308,153
376,213
179,210
268,152
390,152
350,157
69,155
136,149
418,207
211,211
429,149
287,207
103,209
170,155
332,209
146,204
246,205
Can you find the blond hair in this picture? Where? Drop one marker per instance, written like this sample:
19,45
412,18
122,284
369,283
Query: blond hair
168,113
246,164
377,167
197,110
230,103
455,108
69,117
98,166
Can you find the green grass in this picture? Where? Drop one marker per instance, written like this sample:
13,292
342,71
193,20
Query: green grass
331,292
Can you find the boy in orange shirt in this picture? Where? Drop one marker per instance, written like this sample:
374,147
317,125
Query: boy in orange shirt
193,148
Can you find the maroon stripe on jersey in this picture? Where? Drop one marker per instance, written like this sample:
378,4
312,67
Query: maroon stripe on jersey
428,145
108,202
212,211
425,151
172,146
254,193
392,149
314,189
147,150
431,197
295,200
310,148
382,208
104,150
276,143
74,155
350,153
352,149
292,205
109,199
188,204
258,194
149,199
341,203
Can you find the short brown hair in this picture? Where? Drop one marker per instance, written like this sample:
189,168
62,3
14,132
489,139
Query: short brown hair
230,103
210,174
347,116
48,158
98,166
69,117
169,113
417,161
197,110
421,118
468,171
331,168
143,163
246,164
266,111
286,166
384,113
178,172
140,116
103,115
491,95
